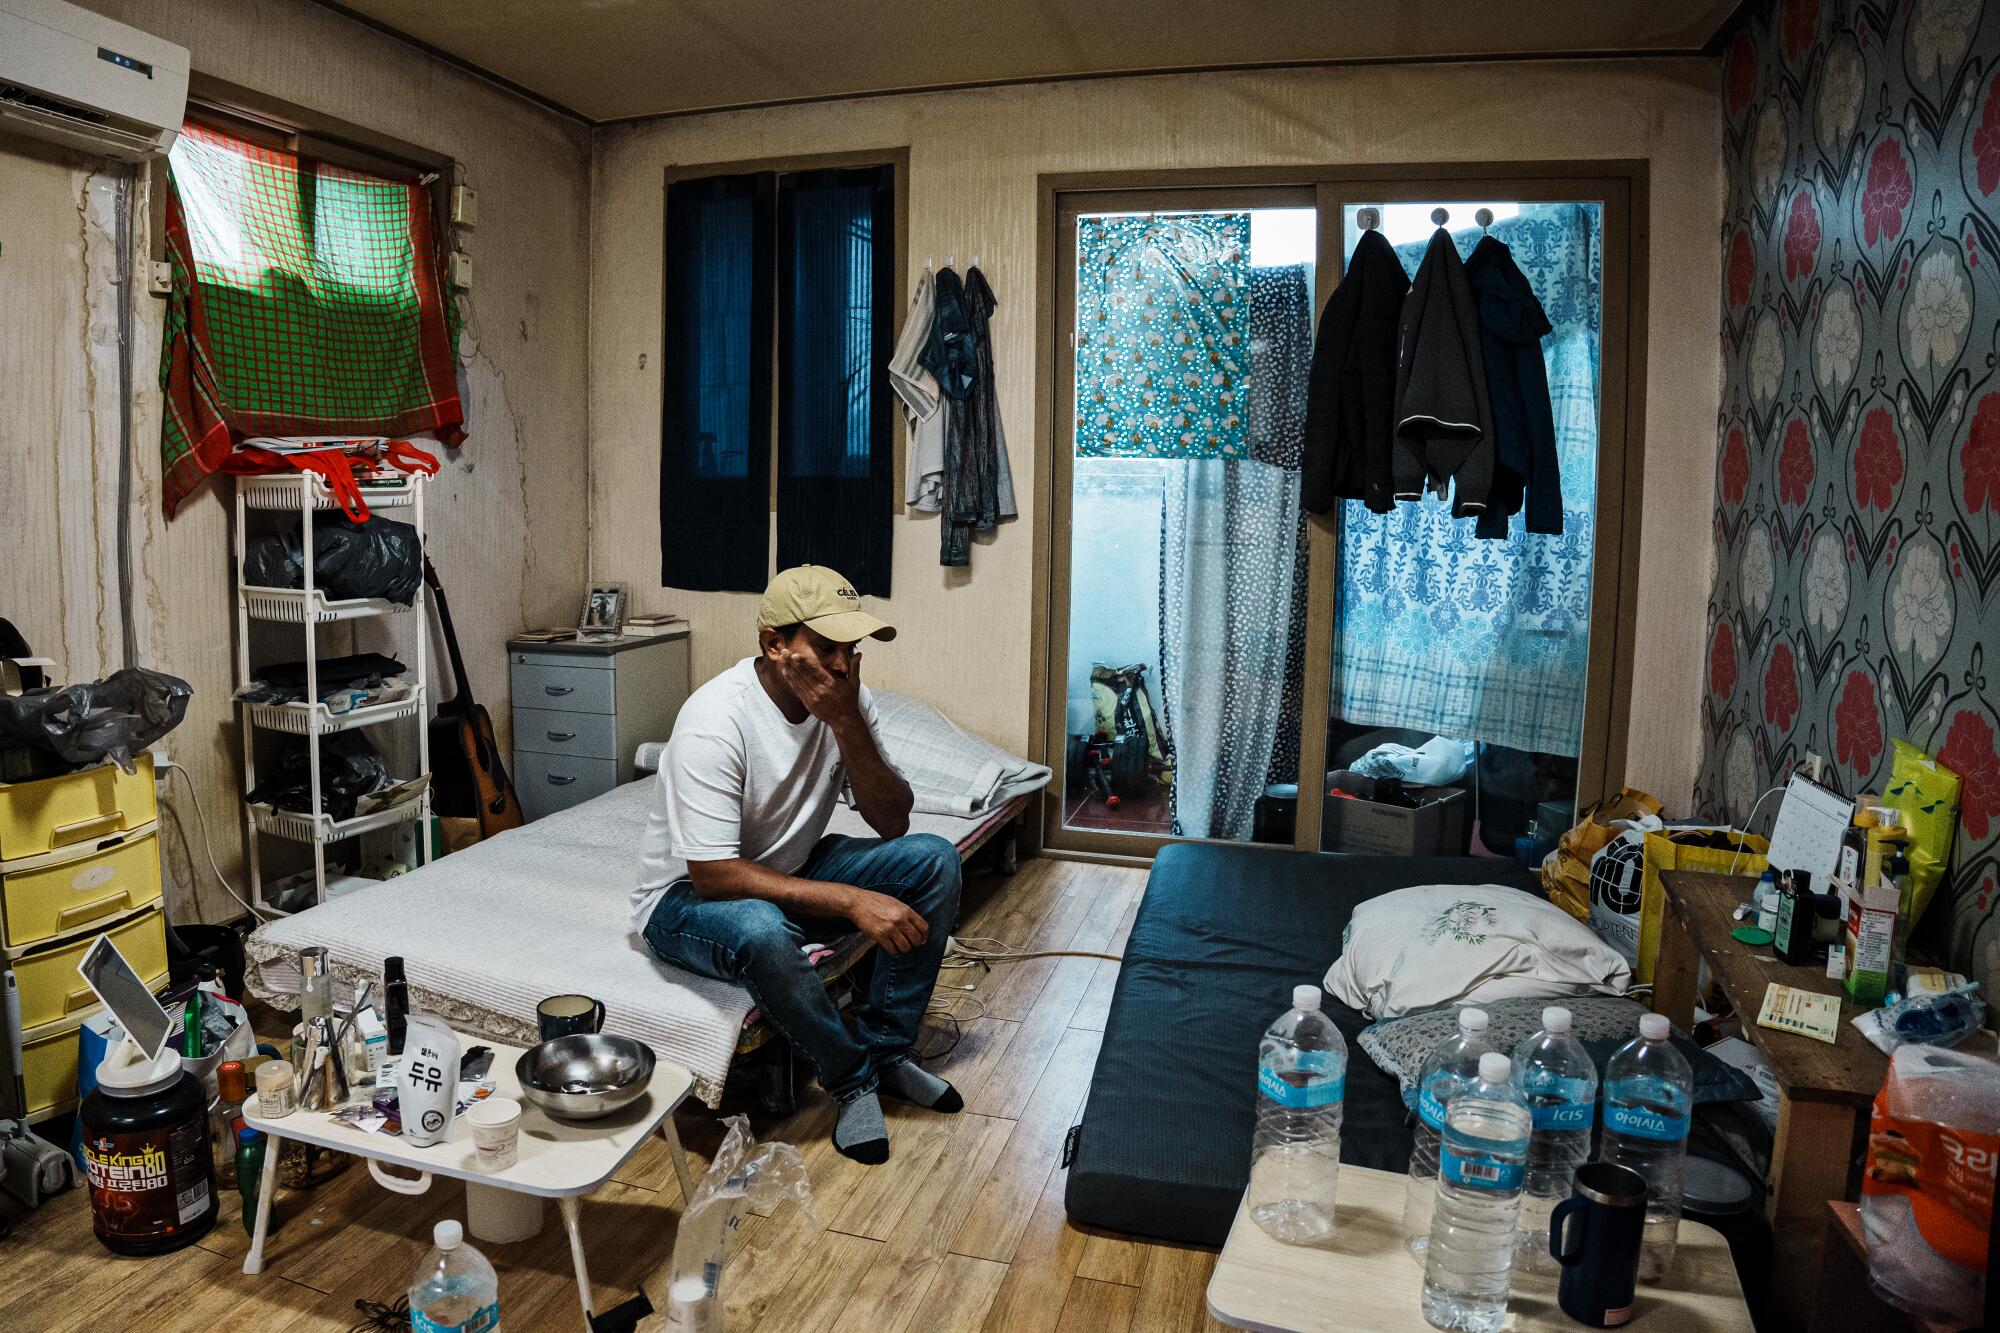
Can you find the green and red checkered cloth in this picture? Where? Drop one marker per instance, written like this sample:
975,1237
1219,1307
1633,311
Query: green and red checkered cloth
306,302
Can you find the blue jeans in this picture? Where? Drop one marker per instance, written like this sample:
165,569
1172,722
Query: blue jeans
756,943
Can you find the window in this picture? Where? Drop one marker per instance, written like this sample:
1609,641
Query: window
307,300
782,289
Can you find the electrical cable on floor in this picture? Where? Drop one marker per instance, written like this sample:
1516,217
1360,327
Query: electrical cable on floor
979,950
201,823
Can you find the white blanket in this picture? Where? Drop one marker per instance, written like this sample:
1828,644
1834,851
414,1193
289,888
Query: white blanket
489,932
950,770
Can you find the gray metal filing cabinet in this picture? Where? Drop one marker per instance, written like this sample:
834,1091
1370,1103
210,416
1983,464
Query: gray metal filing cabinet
582,709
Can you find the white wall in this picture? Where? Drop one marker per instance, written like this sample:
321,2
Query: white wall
974,160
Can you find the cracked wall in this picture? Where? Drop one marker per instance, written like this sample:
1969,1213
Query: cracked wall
508,513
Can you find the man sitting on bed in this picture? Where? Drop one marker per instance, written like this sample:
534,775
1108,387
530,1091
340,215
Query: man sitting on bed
735,874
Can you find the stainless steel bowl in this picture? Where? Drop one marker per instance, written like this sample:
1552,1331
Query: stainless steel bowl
585,1076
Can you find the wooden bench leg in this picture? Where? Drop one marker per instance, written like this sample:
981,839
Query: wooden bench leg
1809,1166
1675,971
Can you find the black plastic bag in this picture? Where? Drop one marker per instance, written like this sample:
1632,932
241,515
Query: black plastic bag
285,682
107,719
379,558
349,769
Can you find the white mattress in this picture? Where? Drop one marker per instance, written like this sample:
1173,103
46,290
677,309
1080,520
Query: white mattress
489,932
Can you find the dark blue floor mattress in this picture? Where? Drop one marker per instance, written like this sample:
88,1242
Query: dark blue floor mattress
1222,936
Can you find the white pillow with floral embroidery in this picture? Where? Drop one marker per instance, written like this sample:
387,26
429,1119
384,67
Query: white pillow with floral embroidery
1449,943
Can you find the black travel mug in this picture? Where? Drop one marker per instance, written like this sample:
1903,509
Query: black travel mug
1595,1235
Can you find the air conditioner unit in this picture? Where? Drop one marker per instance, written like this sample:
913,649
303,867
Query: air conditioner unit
68,75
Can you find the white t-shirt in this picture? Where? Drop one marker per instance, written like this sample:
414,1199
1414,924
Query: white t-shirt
739,780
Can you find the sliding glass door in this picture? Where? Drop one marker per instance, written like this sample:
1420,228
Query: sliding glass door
1190,344
1216,657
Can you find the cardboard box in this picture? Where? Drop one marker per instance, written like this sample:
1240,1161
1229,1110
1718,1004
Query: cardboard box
1871,930
1360,824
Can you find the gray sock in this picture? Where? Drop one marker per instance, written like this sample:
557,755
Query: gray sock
920,1087
861,1133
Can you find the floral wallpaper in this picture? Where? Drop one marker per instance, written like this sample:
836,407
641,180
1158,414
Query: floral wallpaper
1857,519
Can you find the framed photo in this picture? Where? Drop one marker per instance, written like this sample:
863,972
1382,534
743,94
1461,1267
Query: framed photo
603,609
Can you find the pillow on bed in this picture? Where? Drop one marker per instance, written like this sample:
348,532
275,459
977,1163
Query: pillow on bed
1441,944
1603,1024
950,770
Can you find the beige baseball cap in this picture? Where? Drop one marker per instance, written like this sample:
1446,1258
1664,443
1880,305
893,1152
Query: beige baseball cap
823,601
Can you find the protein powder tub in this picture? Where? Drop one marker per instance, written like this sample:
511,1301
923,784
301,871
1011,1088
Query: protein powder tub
145,1151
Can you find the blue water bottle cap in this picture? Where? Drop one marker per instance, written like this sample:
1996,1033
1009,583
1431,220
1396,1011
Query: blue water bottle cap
247,1136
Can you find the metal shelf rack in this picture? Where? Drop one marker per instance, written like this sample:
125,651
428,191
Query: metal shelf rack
309,607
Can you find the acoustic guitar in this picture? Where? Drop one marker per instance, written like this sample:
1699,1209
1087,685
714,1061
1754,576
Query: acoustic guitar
468,779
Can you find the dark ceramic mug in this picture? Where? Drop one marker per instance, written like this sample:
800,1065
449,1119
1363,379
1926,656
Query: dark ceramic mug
1595,1235
569,1015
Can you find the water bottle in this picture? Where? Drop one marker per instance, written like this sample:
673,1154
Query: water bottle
1451,1065
455,1290
1295,1156
1560,1081
1648,1099
1470,1259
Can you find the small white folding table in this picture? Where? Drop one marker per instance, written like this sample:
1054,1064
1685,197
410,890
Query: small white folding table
562,1160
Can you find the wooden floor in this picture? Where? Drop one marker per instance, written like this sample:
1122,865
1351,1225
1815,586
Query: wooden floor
962,1229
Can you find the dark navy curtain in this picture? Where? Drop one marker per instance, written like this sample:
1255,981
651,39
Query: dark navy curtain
715,451
836,297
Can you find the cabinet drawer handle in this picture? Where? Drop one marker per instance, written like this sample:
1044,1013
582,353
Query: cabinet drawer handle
560,736
91,910
558,690
558,780
79,999
64,834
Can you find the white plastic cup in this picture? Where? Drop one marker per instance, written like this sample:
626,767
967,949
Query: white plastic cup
496,1132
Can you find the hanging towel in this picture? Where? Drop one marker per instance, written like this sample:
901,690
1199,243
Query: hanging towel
1444,421
924,408
1351,398
1512,325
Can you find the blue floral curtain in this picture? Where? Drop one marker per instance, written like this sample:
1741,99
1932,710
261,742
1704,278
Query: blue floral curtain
1443,632
1162,320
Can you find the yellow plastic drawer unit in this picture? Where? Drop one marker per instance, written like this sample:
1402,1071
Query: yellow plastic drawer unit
51,987
68,894
86,806
48,1061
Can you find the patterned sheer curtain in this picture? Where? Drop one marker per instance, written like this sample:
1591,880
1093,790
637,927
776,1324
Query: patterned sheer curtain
1488,640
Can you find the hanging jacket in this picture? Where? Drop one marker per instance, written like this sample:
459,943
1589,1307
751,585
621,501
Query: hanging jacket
924,408
1512,325
975,495
1444,420
950,355
1351,396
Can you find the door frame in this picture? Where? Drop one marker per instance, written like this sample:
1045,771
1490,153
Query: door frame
1619,186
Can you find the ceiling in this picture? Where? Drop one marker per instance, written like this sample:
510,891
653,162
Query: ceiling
616,59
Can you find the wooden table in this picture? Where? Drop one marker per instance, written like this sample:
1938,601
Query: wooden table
1824,1092
558,1159
1363,1278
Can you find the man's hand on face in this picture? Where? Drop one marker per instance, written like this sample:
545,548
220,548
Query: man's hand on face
828,697
893,925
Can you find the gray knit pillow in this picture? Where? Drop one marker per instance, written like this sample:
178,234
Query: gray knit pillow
1603,1023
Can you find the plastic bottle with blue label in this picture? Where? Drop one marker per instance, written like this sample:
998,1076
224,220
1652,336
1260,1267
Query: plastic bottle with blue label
456,1290
1469,1263
1560,1081
1648,1101
1301,1091
1452,1063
